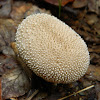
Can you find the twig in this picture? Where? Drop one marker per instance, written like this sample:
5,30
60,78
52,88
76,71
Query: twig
77,92
30,98
71,10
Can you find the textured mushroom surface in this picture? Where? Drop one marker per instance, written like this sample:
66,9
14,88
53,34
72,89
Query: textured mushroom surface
52,49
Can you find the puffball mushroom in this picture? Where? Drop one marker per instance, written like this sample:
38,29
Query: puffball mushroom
51,49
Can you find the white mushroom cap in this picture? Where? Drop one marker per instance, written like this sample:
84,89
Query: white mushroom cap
52,49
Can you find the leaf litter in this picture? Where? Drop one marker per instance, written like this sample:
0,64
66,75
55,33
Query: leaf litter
85,22
15,83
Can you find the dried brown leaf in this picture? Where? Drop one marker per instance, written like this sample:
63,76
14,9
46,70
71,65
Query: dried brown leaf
7,30
97,28
0,90
7,35
79,3
18,10
95,49
56,2
95,58
88,37
91,19
7,63
93,6
5,8
35,9
97,88
15,83
93,73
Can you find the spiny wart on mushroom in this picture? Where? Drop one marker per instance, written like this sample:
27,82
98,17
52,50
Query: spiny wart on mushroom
51,49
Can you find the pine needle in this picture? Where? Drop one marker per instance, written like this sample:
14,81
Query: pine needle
30,98
77,92
59,7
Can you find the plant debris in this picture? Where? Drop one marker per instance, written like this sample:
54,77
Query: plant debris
82,15
15,83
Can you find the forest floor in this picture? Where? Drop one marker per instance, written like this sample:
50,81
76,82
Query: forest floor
82,17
